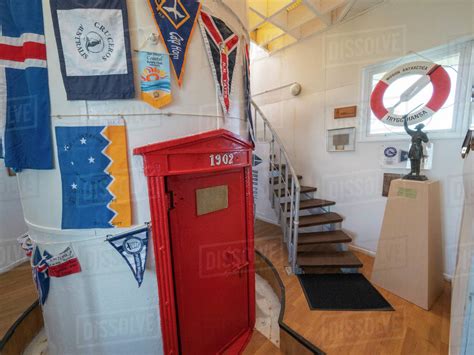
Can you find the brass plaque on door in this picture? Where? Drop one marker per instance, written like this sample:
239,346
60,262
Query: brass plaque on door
212,199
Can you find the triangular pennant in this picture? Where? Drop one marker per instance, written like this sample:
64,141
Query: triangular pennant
133,246
256,160
222,46
176,20
40,274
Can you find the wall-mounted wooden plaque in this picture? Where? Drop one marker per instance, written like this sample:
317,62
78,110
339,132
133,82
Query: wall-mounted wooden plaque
345,112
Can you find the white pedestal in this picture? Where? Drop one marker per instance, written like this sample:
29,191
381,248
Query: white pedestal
409,260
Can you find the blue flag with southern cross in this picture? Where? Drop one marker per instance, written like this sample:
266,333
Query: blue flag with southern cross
95,176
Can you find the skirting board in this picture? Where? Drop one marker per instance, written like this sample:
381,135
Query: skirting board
265,219
447,277
13,265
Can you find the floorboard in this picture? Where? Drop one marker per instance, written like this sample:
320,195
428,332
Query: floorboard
17,293
407,330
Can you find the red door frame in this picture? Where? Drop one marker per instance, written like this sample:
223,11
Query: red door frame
191,155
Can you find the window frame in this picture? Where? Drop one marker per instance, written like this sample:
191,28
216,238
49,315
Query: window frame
461,112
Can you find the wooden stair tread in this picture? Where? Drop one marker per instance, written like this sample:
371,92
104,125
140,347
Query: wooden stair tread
276,179
313,203
303,190
320,219
344,259
324,237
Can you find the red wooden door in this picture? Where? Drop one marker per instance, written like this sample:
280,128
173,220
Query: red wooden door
210,261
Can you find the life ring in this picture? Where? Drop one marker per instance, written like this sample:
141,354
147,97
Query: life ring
439,78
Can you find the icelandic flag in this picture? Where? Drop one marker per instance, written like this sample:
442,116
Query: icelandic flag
25,122
176,20
221,44
95,176
94,48
40,274
133,246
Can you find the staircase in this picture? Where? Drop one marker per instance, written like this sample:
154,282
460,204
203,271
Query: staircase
313,235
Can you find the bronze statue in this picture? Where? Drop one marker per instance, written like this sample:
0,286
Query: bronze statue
416,154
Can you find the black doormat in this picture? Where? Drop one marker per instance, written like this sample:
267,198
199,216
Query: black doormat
342,292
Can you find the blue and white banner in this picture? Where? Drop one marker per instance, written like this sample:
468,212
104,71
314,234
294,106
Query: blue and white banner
133,246
94,48
25,122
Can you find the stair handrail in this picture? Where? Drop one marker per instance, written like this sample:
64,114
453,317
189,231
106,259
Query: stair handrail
289,225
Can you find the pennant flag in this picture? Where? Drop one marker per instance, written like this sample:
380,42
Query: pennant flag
176,20
95,176
40,274
26,244
256,160
94,48
64,264
25,122
247,91
221,44
133,246
155,78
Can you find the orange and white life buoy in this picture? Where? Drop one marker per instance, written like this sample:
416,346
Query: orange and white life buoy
432,72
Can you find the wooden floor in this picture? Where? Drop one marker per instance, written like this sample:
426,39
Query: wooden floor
17,294
407,330
259,345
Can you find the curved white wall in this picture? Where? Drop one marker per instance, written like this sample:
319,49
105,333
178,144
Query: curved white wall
12,224
101,310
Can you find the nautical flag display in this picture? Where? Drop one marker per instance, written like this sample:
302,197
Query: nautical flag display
25,122
40,274
26,244
222,45
64,264
95,175
155,78
133,246
247,91
94,48
176,20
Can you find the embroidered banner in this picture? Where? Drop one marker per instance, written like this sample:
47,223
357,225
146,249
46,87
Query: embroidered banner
25,123
26,244
64,264
221,44
155,79
176,20
95,176
94,48
40,275
133,246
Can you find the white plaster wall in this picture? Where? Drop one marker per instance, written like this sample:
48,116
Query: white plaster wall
12,224
330,73
101,310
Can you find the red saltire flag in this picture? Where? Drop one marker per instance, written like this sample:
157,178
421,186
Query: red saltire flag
222,45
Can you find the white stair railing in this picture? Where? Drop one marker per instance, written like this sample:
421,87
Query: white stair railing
284,196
